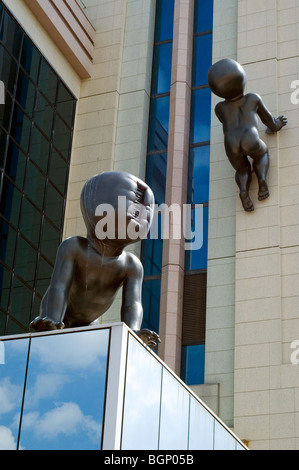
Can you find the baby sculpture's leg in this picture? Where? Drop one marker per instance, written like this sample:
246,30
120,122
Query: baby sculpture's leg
261,166
243,177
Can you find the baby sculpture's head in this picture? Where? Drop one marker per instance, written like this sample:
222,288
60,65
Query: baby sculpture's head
117,207
227,79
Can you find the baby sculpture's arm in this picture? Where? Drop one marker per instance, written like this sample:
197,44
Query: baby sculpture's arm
273,124
54,302
131,310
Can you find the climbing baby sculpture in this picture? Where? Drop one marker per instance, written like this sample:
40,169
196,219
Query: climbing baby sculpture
239,116
117,208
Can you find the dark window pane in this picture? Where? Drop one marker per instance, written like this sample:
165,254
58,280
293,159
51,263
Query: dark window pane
5,112
193,364
197,256
158,127
151,304
202,59
11,34
164,20
5,284
20,128
30,222
43,115
35,185
8,238
10,202
203,15
48,81
200,116
162,69
15,164
58,171
3,318
62,137
3,146
65,104
54,206
199,175
30,58
152,256
25,264
8,70
39,149
44,274
50,240
25,93
21,303
156,175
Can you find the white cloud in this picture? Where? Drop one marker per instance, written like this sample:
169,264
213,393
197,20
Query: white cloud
9,395
7,440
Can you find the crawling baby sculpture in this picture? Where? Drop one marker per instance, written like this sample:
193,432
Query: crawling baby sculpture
239,117
89,271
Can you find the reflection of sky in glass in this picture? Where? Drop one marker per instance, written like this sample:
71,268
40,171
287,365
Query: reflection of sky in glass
142,399
65,390
201,428
12,375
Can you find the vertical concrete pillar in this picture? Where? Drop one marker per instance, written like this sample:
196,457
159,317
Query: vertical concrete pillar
176,185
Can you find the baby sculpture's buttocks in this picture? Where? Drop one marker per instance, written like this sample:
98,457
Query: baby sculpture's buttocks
89,271
239,116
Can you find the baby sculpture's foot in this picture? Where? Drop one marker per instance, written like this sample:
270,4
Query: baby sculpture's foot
263,190
246,202
45,324
150,338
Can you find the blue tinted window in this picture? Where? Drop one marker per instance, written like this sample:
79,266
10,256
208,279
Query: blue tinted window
198,258
202,51
162,69
200,116
193,364
199,175
30,58
164,20
151,304
203,15
159,120
152,256
156,175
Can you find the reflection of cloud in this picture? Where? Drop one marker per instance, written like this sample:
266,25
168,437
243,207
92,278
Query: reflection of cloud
9,395
7,440
66,419
46,386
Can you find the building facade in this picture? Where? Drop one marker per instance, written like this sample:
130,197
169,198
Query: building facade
99,85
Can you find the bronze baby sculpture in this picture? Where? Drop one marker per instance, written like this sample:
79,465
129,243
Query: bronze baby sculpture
89,271
239,117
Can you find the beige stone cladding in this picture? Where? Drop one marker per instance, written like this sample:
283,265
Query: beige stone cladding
266,408
113,109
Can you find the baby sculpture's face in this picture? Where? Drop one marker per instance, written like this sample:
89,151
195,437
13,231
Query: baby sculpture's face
227,79
117,206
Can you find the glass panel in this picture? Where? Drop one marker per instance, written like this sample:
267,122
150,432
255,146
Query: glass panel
202,59
151,304
10,202
30,222
142,399
13,358
8,70
174,414
162,69
164,20
62,137
5,284
223,439
200,116
193,364
203,15
65,392
43,115
44,274
16,164
3,146
5,112
54,205
39,149
152,251
11,34
159,120
199,175
30,58
65,104
50,240
58,171
35,185
25,93
21,301
198,258
8,238
48,81
201,427
20,128
25,263
156,175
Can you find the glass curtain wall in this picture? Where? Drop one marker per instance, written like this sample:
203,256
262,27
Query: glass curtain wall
198,196
36,127
157,156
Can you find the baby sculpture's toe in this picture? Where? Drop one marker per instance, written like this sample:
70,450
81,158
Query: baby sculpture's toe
45,324
246,202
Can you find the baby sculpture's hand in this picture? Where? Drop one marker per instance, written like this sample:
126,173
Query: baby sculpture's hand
150,338
45,324
280,122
